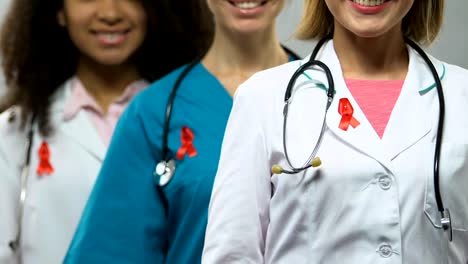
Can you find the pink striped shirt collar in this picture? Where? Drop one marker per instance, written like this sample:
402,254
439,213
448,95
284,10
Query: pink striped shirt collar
80,98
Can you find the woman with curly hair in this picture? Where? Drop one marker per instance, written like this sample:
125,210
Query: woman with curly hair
71,68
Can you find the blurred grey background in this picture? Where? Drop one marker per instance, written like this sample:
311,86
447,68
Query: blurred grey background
451,45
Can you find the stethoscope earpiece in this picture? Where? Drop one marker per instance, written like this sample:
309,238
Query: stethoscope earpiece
164,170
316,162
278,169
446,221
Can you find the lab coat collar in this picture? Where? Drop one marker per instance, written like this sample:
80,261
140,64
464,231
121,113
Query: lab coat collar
80,128
363,137
413,114
425,85
422,69
410,121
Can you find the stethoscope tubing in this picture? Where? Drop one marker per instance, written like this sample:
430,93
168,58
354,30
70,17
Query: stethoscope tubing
305,66
15,244
170,103
445,213
175,88
330,94
440,126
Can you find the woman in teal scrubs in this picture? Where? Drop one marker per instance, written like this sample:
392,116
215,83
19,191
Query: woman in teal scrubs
130,217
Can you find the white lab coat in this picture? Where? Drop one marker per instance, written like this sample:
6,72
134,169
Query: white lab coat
371,200
54,203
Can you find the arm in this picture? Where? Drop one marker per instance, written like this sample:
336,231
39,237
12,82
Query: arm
238,212
124,220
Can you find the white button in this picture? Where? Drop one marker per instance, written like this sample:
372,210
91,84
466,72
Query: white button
385,182
385,251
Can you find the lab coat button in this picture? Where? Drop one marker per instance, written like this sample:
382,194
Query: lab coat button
385,251
385,182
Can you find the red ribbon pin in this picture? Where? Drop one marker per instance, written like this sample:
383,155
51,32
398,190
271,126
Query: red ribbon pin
44,160
345,109
186,137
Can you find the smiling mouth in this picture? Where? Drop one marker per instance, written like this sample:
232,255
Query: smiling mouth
111,37
110,33
370,2
248,4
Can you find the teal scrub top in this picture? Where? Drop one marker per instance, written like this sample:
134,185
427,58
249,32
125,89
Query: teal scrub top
129,218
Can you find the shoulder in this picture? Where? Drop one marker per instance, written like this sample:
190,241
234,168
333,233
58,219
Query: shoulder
148,107
158,91
10,123
262,96
456,73
12,134
269,83
447,71
455,79
455,88
155,97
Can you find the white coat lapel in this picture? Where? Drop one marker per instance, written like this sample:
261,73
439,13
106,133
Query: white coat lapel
82,131
80,128
411,118
363,137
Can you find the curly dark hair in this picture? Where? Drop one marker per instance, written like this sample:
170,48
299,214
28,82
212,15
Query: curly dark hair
38,55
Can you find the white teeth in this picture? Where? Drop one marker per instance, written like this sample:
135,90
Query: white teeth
247,5
110,36
369,2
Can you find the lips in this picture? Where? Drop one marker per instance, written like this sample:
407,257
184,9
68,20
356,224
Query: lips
108,37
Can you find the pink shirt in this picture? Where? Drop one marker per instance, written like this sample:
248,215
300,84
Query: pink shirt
104,123
376,99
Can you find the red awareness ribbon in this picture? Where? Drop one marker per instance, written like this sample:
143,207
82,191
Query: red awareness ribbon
346,111
186,137
44,160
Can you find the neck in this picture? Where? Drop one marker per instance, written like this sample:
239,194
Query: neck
105,83
233,58
381,58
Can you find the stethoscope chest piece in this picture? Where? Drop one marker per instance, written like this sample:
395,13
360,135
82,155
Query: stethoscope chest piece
14,245
446,221
165,170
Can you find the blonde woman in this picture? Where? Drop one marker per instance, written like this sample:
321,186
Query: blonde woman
378,177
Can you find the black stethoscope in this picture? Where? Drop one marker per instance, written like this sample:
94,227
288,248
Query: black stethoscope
15,244
314,161
165,169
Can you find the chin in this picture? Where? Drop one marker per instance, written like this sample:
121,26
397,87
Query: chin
368,32
111,60
371,29
368,35
250,28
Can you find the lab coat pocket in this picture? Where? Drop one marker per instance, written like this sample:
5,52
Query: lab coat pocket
453,182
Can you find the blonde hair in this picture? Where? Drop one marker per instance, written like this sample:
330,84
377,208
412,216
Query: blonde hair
422,23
